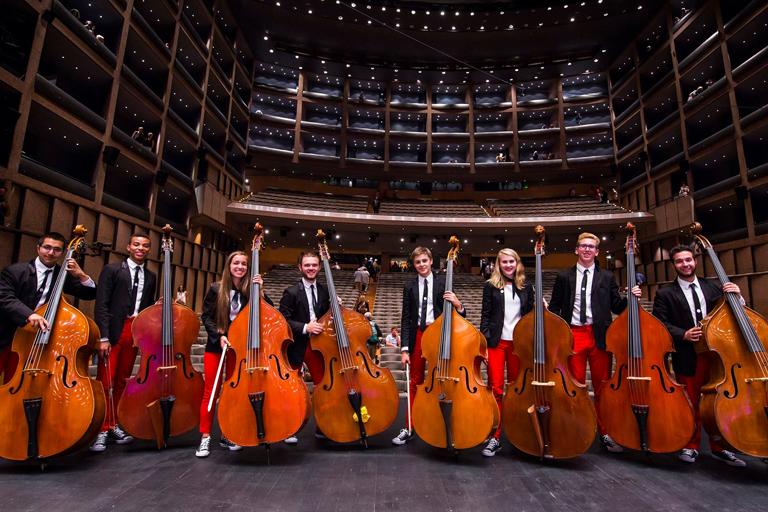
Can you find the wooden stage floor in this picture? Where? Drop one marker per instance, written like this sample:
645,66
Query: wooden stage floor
321,476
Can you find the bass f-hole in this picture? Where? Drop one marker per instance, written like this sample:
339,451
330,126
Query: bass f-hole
524,380
65,371
140,380
727,393
283,376
367,368
471,389
662,381
331,374
569,392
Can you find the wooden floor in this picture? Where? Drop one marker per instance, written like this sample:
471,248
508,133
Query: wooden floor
322,476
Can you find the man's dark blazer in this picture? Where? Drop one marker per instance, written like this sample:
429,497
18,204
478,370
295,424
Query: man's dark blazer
113,299
409,316
605,300
671,307
18,287
492,315
208,317
295,308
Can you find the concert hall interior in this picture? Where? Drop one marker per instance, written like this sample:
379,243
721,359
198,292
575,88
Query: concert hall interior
389,125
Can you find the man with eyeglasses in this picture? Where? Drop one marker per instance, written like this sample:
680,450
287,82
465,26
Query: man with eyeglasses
27,285
585,296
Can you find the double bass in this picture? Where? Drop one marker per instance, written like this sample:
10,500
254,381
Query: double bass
265,400
454,408
50,406
356,398
545,412
734,404
641,406
163,398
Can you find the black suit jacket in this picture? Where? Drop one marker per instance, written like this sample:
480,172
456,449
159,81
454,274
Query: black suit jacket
670,307
18,287
492,315
409,316
605,300
295,308
113,300
209,316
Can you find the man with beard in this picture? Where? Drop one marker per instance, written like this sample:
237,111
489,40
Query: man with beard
125,289
302,305
682,305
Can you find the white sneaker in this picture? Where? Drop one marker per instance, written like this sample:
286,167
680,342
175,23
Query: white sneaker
100,443
688,455
229,445
204,449
120,436
610,444
403,437
491,447
291,440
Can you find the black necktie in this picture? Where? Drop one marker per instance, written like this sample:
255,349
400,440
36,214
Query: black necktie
235,305
696,303
135,289
424,299
583,308
41,289
314,300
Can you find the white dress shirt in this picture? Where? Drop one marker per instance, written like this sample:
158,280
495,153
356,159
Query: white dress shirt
512,309
430,302
688,292
577,297
41,269
132,265
234,311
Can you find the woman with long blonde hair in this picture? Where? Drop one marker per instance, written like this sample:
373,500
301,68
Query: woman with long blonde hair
224,300
506,298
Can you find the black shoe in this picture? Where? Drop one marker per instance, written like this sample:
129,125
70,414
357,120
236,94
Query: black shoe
229,445
729,458
491,447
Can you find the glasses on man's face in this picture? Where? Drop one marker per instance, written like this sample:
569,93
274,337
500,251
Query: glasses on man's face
52,248
587,247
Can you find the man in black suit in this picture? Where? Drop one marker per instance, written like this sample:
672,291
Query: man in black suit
25,286
585,296
681,306
125,289
301,305
422,304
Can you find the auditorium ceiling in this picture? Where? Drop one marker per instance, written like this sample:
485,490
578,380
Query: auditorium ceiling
449,40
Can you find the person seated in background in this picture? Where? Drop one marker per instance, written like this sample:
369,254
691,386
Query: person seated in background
393,338
362,305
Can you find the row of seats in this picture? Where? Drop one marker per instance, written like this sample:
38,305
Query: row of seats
309,201
554,207
512,208
432,208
